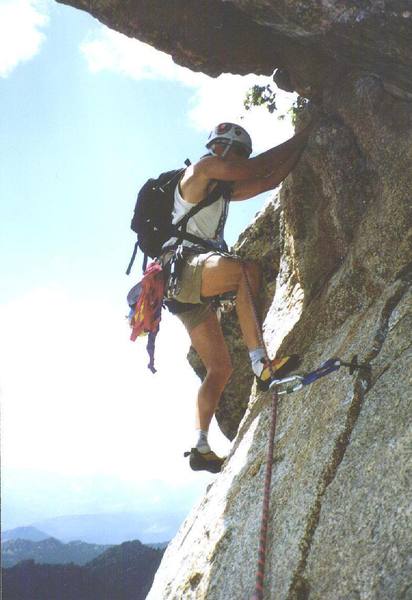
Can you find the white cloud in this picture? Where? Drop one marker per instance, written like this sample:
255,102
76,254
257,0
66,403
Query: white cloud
77,397
20,32
112,51
213,100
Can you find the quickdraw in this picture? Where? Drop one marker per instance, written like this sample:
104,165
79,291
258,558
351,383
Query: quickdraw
294,383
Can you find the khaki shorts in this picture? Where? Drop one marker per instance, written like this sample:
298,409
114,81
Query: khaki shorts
195,316
190,287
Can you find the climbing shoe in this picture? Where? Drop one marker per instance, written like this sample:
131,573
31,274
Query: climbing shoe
204,462
281,367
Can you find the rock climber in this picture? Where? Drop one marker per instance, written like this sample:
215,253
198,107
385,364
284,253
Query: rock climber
206,275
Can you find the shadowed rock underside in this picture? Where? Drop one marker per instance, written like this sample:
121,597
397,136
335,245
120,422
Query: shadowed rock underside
310,43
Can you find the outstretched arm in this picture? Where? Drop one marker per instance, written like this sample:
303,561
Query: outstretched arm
287,157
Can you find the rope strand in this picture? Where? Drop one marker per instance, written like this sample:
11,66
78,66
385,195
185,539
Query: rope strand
260,572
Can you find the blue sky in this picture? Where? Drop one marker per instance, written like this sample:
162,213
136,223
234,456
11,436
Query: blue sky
87,115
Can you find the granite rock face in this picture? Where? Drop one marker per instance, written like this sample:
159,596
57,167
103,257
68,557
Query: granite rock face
336,248
312,43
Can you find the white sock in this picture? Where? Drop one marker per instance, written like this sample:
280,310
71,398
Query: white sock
202,444
256,356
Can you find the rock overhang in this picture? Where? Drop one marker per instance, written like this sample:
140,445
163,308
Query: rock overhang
309,44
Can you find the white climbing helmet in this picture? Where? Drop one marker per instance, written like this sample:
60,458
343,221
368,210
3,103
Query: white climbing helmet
229,134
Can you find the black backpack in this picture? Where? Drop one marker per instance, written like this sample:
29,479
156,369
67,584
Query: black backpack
152,219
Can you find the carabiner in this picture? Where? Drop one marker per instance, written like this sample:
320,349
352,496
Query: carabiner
284,388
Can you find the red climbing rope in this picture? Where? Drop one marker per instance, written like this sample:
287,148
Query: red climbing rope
260,573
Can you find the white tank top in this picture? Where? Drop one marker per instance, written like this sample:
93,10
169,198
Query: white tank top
208,223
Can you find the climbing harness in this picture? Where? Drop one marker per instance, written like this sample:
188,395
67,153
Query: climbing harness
173,267
278,387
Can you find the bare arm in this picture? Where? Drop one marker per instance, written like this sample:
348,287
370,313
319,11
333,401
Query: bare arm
243,190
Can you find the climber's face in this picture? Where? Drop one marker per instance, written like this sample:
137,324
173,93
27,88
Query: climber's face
235,151
219,149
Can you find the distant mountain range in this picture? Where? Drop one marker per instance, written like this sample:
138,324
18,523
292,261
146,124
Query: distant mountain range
24,533
123,572
50,551
113,528
104,528
30,543
149,510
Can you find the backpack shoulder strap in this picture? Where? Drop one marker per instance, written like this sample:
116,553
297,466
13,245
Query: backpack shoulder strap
222,188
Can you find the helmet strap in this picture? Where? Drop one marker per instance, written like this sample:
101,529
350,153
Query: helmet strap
225,151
